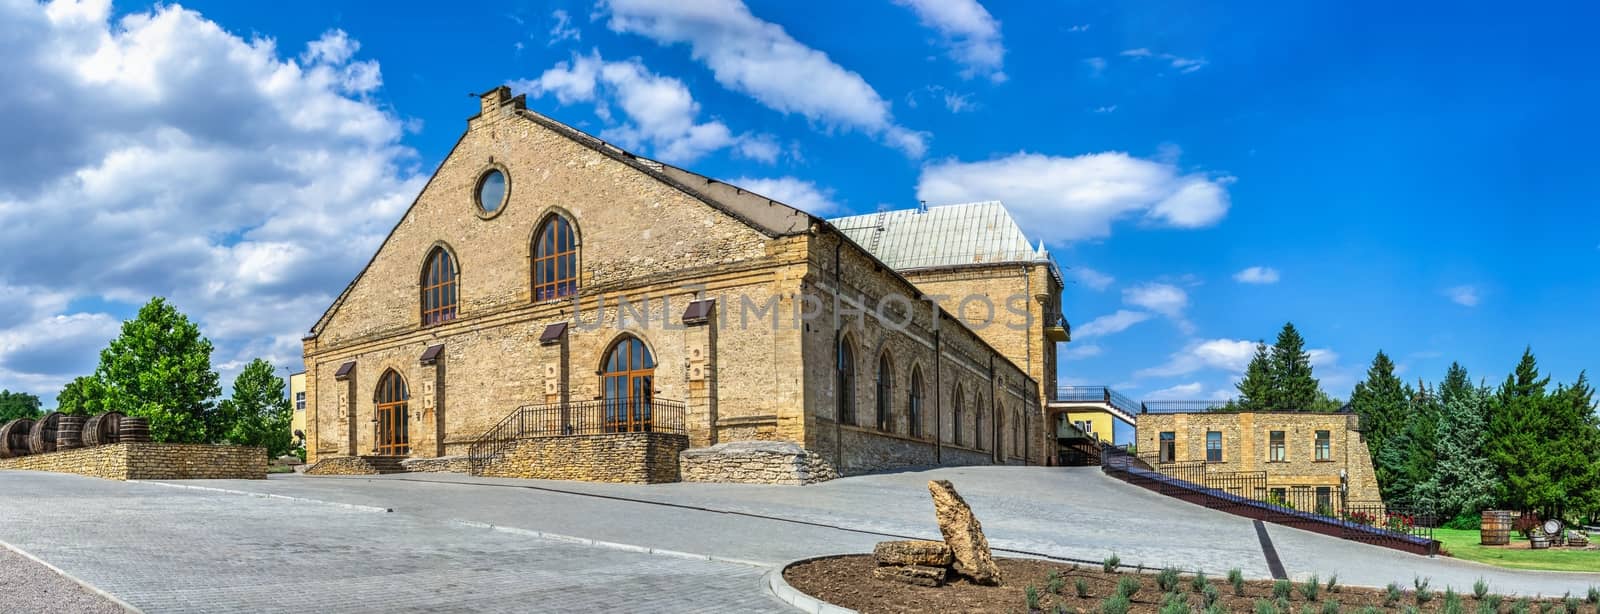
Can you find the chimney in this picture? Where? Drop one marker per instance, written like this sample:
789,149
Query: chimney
493,100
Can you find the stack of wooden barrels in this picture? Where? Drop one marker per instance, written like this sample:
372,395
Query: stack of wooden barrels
58,431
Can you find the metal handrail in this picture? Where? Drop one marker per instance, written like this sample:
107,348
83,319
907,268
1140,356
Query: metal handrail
1097,394
573,419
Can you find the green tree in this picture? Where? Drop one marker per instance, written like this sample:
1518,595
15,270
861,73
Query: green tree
1383,401
84,396
1293,385
14,405
160,368
1255,390
1414,452
1517,431
1464,480
258,413
1569,455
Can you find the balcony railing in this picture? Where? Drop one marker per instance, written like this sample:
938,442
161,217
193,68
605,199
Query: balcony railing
1097,394
580,418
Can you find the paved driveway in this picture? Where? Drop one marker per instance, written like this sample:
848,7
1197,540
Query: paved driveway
165,549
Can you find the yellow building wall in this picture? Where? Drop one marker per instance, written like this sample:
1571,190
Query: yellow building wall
1100,423
297,399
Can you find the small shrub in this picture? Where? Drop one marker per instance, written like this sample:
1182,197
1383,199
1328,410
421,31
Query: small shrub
1452,602
1283,605
1211,595
1175,603
1493,601
1117,604
1128,586
1485,608
1479,589
1055,583
1310,589
1572,603
1216,608
1521,606
1111,563
1547,608
1333,583
1282,589
1167,580
1594,595
1330,607
1199,583
1032,593
1265,607
1308,609
1423,593
1236,579
1392,594
1081,586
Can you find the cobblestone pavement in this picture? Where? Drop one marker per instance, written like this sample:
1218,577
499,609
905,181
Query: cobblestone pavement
166,549
1063,512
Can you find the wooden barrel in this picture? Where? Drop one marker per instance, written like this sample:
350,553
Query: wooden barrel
14,438
69,432
43,436
1496,528
102,429
134,430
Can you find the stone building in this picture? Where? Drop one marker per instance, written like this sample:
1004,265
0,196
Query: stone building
1312,460
546,284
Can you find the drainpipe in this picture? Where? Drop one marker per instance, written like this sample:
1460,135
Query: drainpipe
838,336
938,393
994,416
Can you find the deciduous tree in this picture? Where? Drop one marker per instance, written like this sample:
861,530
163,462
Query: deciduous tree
14,405
258,413
160,368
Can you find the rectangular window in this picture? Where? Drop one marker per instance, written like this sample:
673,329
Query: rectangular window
1275,451
1324,446
1279,496
1214,446
1324,501
1169,446
299,401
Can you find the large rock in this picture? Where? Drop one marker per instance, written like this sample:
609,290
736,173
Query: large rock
913,552
963,534
919,575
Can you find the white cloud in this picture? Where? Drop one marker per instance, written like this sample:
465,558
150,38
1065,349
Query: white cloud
1110,324
1080,197
1106,109
1323,357
972,34
1467,296
758,58
1078,351
1257,275
1097,65
661,113
247,184
1231,355
1079,28
1181,392
1095,280
563,30
1165,299
795,192
1182,64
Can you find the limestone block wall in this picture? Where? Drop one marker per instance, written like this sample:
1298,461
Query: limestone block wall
1246,446
342,465
442,464
755,462
638,458
151,461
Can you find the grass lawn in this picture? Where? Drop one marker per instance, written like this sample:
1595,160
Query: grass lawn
1464,545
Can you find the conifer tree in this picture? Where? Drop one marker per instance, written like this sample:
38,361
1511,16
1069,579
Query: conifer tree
1517,431
1382,401
1464,480
1255,390
1567,461
1293,385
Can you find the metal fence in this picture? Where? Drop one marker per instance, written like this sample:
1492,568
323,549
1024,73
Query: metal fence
581,418
1097,394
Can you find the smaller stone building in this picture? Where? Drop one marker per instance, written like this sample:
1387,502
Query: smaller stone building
1313,461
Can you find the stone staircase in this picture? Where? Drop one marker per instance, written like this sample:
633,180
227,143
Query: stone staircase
358,465
386,464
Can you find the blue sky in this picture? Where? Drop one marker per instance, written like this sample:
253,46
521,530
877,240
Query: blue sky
1411,178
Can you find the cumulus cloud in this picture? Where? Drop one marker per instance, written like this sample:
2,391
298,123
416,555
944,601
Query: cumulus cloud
1080,197
1466,296
758,58
1165,299
247,184
795,192
970,32
1231,355
1180,392
563,30
660,112
1094,280
1257,275
1110,324
1078,351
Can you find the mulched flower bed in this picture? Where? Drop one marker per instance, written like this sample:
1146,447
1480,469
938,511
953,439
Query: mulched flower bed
848,581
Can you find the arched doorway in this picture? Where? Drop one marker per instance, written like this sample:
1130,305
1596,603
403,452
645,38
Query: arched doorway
628,380
394,433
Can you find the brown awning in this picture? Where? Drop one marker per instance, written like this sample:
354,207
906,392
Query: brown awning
699,312
553,333
344,371
431,355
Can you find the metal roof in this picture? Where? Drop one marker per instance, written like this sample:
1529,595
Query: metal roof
945,235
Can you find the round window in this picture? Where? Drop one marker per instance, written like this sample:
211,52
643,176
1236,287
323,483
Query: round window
492,191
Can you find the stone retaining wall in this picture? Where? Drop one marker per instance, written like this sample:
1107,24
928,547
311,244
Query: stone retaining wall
640,458
442,464
151,461
755,462
342,465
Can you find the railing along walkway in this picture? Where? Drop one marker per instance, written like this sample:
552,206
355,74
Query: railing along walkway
573,419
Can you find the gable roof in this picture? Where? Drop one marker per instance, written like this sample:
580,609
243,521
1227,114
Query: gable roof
942,236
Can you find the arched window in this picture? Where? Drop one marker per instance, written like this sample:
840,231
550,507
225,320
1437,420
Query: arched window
845,380
555,260
628,379
914,404
1016,434
393,435
885,391
977,421
958,404
439,296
